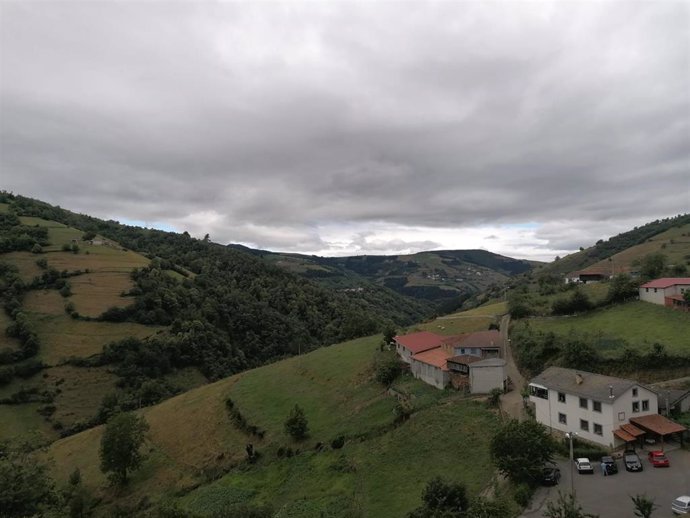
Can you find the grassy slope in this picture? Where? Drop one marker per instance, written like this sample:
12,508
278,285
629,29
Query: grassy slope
640,323
382,475
477,319
79,391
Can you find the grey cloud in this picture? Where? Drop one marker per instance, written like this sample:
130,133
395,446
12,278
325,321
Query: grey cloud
281,117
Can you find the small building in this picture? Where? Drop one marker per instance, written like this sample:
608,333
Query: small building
408,345
678,401
668,291
589,276
486,375
430,367
482,344
595,406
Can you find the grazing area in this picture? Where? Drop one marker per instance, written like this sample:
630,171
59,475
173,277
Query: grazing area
192,440
640,324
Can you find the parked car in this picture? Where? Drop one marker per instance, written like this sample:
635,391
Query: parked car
659,459
681,505
583,465
550,475
608,466
632,461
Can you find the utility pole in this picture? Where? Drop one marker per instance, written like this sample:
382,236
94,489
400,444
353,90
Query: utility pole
570,435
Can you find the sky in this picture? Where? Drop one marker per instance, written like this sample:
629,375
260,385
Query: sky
528,129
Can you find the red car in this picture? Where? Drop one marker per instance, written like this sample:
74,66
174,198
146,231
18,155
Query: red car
659,459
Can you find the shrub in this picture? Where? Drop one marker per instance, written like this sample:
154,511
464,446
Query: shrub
523,494
296,425
338,442
387,371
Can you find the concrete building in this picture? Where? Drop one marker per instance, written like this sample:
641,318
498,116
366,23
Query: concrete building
481,344
668,291
430,367
599,408
486,375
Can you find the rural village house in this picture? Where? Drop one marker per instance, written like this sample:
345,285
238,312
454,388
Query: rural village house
469,360
602,409
668,291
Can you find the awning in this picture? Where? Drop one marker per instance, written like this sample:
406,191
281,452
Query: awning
622,434
632,430
657,424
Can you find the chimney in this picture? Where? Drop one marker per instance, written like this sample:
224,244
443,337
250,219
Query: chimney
611,396
578,378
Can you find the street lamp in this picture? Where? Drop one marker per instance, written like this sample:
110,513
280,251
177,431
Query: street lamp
570,436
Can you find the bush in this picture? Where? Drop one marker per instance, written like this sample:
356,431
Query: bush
338,442
523,494
296,425
387,371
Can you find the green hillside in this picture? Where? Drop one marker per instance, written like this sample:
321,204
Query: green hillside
379,472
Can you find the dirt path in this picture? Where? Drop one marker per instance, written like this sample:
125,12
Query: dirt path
511,403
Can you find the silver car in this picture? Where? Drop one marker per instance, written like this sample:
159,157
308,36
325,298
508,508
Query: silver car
681,505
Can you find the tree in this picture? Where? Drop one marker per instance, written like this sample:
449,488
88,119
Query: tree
653,265
442,499
520,450
387,370
494,397
123,436
296,425
566,507
482,507
25,487
621,288
643,505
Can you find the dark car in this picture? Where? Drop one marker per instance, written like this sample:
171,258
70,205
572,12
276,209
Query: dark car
550,475
608,466
632,461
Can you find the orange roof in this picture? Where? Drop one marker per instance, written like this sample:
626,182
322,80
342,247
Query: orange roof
667,282
657,424
435,357
622,434
632,430
480,339
418,342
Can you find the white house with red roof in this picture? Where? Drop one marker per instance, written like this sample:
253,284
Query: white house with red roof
668,291
408,345
430,367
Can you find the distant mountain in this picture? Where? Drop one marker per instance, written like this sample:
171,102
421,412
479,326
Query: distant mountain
442,278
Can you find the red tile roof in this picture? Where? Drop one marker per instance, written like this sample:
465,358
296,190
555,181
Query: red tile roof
622,434
666,282
632,430
436,357
419,342
658,424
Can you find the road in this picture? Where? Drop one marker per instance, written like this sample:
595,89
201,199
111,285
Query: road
511,403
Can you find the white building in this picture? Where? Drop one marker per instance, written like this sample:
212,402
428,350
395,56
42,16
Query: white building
408,345
597,407
430,367
668,291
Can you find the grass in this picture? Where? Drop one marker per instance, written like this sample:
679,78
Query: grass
381,473
639,323
62,336
94,293
23,423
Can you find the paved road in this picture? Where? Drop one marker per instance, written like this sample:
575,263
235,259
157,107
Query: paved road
511,403
609,497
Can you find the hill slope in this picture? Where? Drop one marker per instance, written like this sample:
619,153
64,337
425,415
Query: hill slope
380,471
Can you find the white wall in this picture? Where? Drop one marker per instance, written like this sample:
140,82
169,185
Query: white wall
403,352
653,295
610,417
429,374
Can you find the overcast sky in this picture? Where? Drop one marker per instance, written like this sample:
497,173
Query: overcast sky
526,128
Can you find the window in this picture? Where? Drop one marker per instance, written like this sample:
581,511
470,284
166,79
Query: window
561,397
635,392
654,290
646,290
596,406
636,406
645,405
598,429
583,402
562,418
621,416
584,425
538,392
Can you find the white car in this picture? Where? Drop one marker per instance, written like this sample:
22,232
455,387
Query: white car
681,505
583,465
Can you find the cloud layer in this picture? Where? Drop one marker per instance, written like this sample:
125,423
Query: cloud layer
340,128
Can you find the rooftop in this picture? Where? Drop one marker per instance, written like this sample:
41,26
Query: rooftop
667,282
489,362
435,357
479,339
464,358
658,424
419,342
585,384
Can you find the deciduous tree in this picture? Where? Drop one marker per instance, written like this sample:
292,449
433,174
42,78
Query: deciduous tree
122,439
520,450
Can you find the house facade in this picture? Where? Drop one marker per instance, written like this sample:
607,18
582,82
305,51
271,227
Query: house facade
430,367
486,375
669,291
481,344
598,408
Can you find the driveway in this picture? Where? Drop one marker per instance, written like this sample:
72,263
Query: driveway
609,497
